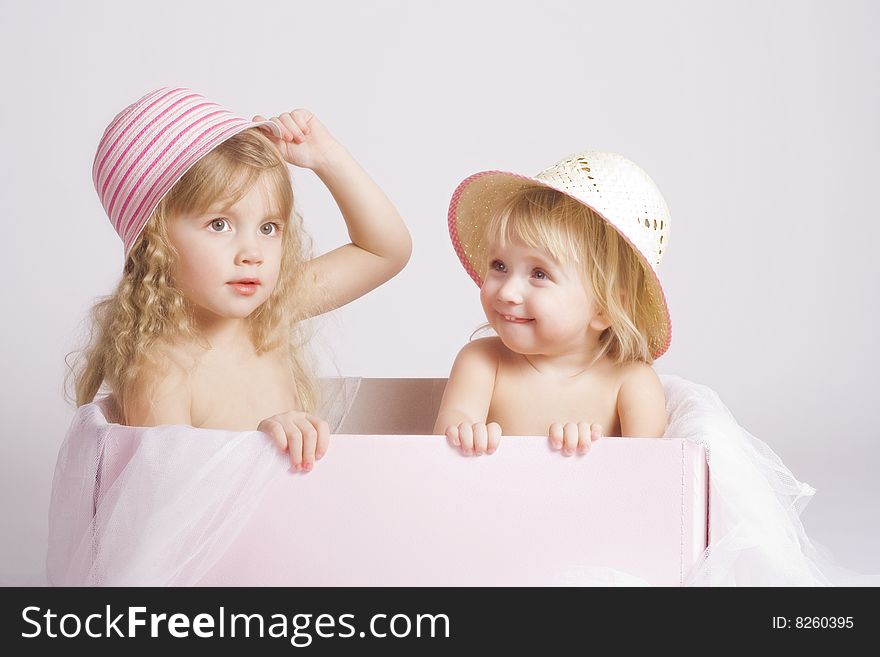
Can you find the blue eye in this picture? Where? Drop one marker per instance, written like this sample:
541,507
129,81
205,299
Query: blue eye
540,275
274,229
219,225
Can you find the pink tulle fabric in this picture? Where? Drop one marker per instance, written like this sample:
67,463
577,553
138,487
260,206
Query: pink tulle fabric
159,506
170,500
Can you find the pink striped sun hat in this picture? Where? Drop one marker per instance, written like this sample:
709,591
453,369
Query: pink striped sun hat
613,187
150,145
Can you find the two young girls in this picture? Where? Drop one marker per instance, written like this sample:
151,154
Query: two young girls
204,328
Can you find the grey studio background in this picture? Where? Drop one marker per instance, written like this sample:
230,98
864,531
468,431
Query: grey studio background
756,119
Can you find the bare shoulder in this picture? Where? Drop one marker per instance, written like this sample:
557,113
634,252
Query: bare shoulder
163,391
636,376
486,351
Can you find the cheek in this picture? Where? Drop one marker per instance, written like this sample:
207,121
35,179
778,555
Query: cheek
190,252
561,314
271,269
486,296
183,277
199,272
195,267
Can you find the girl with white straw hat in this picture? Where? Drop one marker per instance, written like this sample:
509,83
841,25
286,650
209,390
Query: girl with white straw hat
567,268
566,263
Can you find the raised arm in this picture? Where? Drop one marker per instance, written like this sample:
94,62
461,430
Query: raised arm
641,404
380,243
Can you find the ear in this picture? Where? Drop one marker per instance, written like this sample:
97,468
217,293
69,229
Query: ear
599,322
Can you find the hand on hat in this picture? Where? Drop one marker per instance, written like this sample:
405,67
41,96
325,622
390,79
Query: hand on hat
305,142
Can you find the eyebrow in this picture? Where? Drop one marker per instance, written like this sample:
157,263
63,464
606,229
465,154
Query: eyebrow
546,263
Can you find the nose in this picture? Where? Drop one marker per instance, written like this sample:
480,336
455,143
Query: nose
249,253
510,291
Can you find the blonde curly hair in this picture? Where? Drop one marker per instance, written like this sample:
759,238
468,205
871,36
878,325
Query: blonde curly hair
147,311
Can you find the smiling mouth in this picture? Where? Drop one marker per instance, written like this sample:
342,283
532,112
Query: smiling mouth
514,319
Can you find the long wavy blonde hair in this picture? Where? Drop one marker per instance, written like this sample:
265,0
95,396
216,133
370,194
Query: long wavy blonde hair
569,231
147,310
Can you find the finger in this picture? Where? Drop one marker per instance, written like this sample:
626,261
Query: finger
323,436
295,441
466,437
494,434
275,431
596,431
570,438
309,442
297,136
302,118
259,118
556,436
452,436
481,438
584,437
266,130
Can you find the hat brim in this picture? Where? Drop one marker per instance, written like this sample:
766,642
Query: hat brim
276,130
478,197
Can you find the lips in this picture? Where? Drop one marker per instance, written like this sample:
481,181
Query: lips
245,286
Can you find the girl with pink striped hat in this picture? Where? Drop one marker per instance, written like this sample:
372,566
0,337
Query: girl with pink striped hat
205,326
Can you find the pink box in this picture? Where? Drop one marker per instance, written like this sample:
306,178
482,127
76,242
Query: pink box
390,506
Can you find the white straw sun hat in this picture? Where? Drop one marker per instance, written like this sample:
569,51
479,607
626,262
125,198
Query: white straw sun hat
615,188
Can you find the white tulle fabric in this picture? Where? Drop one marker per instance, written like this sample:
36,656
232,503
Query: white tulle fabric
181,496
756,537
158,506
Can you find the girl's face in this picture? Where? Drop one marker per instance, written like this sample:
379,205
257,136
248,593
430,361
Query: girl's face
537,305
228,257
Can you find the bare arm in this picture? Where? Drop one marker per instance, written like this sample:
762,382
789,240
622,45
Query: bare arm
641,404
471,383
380,243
